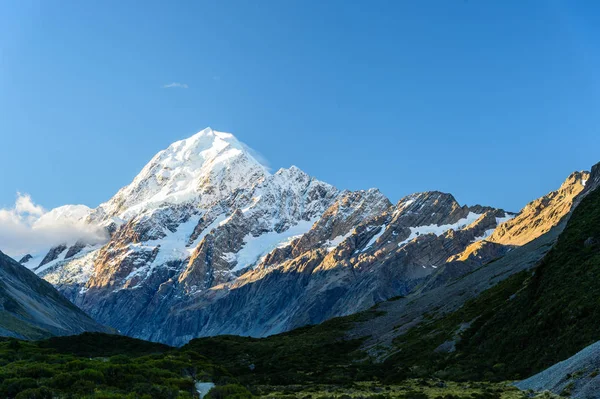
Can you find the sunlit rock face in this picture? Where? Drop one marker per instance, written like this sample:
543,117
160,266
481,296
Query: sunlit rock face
540,215
206,240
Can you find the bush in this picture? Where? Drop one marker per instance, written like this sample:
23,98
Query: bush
82,387
12,386
414,395
62,381
92,375
231,391
35,393
36,371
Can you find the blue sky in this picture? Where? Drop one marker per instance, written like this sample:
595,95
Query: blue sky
495,102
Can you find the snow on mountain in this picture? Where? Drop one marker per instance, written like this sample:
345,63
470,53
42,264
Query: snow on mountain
254,248
209,185
440,229
205,168
205,240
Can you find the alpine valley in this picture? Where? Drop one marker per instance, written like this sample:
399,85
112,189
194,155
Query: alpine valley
205,241
278,282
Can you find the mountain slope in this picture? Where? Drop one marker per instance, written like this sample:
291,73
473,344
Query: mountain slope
576,377
339,267
30,308
539,310
429,334
206,241
554,315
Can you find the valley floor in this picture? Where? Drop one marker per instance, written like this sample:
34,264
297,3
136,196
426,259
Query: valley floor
409,389
104,366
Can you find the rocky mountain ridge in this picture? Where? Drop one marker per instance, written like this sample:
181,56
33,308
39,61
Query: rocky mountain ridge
206,241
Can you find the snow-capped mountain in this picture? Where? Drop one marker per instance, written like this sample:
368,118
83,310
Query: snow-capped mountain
201,170
205,240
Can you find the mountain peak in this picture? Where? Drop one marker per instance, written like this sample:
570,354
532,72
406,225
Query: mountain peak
203,168
205,146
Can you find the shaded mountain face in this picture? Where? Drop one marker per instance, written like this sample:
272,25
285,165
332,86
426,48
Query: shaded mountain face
30,308
206,241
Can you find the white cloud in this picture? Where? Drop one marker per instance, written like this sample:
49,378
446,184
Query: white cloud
24,204
29,228
176,85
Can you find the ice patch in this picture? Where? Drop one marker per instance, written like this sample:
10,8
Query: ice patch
330,245
376,236
173,246
506,218
228,256
441,229
257,247
485,235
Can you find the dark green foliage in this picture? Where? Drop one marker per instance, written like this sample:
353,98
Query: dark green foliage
310,354
97,344
50,369
12,386
414,395
35,393
417,355
230,391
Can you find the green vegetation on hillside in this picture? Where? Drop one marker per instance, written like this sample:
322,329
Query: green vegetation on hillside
313,354
430,347
93,369
556,314
522,325
518,327
287,367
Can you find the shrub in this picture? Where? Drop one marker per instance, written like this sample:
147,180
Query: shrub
414,395
231,391
62,381
35,393
12,386
92,375
82,387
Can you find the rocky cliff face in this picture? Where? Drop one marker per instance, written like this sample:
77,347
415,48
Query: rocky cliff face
205,241
540,215
30,308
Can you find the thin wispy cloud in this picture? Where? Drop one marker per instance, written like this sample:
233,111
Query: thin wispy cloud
176,85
